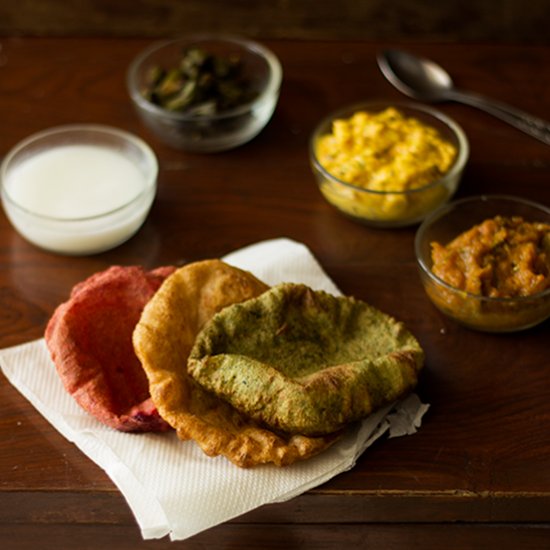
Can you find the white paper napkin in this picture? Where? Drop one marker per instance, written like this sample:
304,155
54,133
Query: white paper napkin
171,487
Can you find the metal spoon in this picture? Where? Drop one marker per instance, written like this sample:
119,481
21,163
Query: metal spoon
425,80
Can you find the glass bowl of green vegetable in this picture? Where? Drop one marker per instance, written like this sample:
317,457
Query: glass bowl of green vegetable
205,93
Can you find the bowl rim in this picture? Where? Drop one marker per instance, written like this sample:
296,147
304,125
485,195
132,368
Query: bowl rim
456,129
149,155
272,87
441,212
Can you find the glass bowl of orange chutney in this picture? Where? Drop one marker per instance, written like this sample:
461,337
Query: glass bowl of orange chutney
485,262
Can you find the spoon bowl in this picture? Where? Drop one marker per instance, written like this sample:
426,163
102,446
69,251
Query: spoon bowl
416,77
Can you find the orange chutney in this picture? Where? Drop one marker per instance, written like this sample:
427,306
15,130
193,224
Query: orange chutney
502,257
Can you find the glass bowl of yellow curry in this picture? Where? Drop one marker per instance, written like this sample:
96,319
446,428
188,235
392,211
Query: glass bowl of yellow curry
388,165
485,262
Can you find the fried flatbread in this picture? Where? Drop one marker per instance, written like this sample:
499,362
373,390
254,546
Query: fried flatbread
163,339
305,362
90,341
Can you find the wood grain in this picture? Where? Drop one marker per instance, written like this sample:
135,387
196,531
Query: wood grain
466,21
477,471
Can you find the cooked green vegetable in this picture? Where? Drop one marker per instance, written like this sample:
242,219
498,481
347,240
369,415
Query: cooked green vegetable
203,83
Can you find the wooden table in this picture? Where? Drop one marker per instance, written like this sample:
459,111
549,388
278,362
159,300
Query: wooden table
478,471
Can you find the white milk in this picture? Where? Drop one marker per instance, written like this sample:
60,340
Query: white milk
88,198
75,181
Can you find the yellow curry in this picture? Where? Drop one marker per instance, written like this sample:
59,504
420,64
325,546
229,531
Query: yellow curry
384,151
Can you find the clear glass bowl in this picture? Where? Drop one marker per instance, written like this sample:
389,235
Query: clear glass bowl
208,133
96,217
391,208
472,310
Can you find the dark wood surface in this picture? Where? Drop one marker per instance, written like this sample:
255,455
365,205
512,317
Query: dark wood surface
478,471
495,21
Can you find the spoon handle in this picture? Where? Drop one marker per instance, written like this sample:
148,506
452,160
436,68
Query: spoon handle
534,126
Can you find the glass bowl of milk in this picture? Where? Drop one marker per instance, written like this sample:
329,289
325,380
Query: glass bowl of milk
79,189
